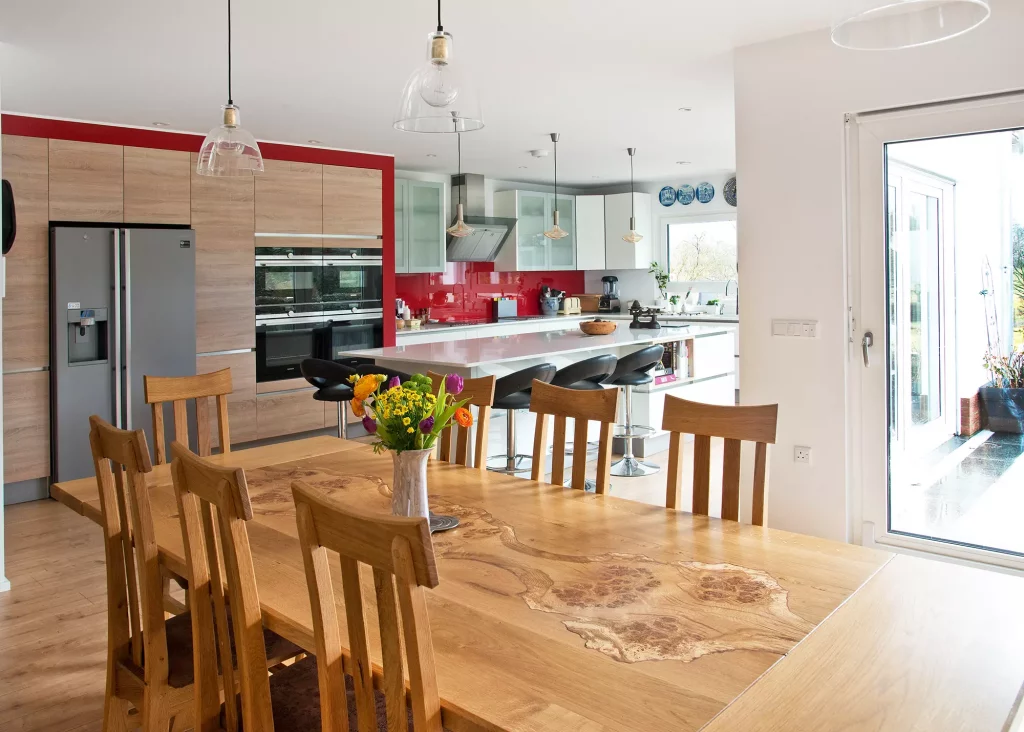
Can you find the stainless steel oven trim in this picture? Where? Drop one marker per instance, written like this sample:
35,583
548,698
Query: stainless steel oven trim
364,237
279,260
322,318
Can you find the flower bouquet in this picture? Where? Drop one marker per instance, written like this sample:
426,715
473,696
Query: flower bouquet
407,420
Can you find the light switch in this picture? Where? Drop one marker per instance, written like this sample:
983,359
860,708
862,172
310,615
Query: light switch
795,328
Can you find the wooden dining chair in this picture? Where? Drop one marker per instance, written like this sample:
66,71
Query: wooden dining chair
734,424
178,390
399,551
232,648
149,660
600,405
480,393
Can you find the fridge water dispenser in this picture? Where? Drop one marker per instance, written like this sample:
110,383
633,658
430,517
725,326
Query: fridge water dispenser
87,336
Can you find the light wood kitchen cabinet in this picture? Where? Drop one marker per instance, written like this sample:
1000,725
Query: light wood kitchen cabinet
242,399
419,226
288,412
289,199
26,426
590,236
26,323
222,216
157,186
352,200
527,248
86,181
621,254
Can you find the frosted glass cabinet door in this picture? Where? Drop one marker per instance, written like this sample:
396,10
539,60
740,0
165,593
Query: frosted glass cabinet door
563,251
426,235
401,248
534,219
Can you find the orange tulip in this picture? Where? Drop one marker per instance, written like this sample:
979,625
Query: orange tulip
357,407
463,417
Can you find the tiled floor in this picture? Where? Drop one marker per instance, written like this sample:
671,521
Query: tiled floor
967,490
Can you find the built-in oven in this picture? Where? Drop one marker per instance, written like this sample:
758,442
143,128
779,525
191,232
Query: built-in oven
284,342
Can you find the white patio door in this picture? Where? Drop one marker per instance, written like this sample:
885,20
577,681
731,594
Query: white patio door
901,385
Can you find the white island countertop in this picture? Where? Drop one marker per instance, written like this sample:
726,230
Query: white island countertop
482,351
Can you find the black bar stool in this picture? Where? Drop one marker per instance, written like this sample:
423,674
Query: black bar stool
632,370
331,382
586,375
370,368
512,392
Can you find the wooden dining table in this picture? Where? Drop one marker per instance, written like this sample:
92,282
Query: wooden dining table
570,611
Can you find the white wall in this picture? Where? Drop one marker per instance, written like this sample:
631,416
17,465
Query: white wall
791,95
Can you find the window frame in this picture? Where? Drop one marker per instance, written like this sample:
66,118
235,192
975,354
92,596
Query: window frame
701,218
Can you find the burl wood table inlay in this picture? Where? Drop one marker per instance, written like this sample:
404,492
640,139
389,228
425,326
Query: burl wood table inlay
566,611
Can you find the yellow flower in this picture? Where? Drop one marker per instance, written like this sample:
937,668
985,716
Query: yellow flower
410,430
406,421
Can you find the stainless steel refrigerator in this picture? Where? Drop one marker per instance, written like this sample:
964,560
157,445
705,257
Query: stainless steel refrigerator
122,305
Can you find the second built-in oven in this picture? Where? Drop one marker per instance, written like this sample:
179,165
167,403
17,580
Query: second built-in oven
283,343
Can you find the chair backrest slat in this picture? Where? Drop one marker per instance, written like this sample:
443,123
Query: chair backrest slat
213,505
401,556
599,405
178,390
734,425
135,614
454,441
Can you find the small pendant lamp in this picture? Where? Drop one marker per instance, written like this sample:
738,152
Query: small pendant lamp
229,149
556,231
459,228
631,236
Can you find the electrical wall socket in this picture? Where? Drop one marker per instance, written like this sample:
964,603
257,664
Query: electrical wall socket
802,454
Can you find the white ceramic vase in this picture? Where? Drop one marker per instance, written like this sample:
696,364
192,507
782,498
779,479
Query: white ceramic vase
409,487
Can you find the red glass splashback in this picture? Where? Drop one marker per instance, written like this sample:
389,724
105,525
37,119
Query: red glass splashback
465,289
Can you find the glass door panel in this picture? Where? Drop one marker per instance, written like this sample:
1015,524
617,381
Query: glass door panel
924,285
534,219
563,251
426,227
401,246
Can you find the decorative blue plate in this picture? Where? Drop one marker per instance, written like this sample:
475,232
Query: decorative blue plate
667,196
705,192
729,191
685,195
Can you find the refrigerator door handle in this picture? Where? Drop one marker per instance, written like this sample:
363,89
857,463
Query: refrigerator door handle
115,338
127,329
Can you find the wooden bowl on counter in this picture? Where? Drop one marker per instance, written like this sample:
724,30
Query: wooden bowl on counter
598,327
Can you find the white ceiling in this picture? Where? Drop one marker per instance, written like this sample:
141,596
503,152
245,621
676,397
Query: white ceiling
606,74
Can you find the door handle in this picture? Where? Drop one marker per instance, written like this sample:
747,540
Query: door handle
866,342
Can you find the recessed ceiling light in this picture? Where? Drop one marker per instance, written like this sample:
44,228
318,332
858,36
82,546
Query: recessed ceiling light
160,124
686,109
682,162
315,142
596,177
431,155
522,167
539,153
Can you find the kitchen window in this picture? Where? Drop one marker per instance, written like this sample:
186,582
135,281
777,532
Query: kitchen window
702,248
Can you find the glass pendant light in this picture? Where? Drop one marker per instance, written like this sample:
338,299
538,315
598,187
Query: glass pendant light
882,25
432,89
229,149
459,228
631,236
556,231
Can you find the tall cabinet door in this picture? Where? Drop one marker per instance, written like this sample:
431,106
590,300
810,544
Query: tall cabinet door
157,186
401,235
426,237
562,252
534,213
86,181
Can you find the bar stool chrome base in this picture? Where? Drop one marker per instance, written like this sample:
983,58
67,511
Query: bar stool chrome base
630,467
512,463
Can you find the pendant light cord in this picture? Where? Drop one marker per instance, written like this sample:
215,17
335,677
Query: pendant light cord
556,172
632,212
229,52
440,28
461,182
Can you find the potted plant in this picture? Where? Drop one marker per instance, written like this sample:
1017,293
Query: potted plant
407,420
661,278
1002,401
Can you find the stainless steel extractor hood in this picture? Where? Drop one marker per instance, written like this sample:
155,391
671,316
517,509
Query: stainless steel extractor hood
489,232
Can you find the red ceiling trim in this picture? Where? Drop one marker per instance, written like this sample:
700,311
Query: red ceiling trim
59,129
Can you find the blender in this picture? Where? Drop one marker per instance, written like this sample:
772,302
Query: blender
609,302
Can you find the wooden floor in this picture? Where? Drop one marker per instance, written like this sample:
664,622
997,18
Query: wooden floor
53,621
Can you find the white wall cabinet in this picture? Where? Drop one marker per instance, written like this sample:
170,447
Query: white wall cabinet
527,248
419,226
620,254
590,236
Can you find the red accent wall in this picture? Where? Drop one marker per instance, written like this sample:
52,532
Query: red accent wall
465,289
14,124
